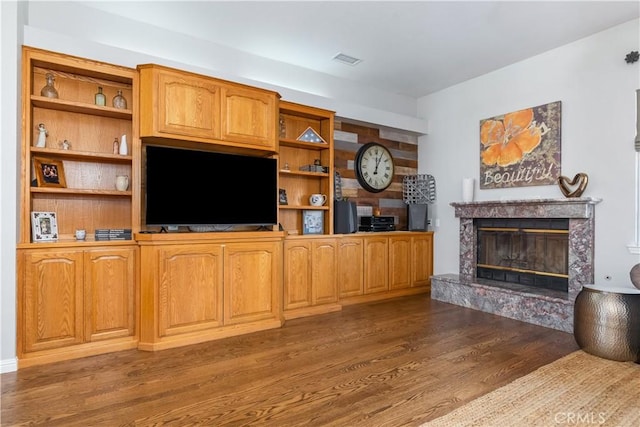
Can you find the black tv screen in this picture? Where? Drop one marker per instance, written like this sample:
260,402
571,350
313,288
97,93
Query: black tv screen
194,188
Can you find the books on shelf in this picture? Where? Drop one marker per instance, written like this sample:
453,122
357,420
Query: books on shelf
113,234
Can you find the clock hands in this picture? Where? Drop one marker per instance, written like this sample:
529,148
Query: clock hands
375,171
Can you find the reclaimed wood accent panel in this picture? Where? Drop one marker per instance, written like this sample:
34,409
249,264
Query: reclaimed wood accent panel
404,149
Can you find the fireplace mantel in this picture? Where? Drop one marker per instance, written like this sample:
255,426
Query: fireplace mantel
580,207
554,309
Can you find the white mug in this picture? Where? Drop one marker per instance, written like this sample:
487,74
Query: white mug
317,199
81,234
122,182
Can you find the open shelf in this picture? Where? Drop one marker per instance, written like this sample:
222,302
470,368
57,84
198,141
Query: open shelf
293,154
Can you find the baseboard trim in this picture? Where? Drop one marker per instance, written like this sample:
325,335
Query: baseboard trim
8,365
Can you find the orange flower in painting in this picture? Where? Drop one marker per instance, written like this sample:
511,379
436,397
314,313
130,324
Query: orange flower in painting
506,141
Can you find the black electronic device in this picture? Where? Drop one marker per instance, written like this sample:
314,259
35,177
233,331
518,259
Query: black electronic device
186,187
377,223
345,217
417,217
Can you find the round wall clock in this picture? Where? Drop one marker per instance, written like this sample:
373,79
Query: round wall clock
374,167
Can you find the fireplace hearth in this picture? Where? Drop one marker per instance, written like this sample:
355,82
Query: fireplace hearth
567,236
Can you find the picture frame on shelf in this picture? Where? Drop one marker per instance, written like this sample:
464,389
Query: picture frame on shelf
49,172
310,135
44,226
312,222
283,196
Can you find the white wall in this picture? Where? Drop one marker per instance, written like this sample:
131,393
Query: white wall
597,89
74,28
10,39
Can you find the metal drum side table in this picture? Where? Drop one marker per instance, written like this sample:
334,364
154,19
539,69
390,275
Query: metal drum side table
606,322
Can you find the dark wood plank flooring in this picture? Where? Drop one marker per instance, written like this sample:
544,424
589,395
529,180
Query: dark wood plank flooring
399,362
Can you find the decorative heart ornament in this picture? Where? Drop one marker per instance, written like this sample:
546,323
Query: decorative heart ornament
575,187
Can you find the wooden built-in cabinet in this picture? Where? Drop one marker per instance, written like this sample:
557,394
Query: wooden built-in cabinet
373,266
299,184
310,276
195,289
76,302
322,273
83,297
183,106
77,297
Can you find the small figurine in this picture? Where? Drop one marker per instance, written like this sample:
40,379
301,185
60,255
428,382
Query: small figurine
66,145
42,137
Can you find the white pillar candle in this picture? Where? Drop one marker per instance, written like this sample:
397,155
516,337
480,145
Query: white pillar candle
468,185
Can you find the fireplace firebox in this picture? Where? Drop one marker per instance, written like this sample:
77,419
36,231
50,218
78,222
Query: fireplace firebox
528,251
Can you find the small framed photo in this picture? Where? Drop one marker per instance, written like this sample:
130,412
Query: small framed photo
44,226
312,222
49,172
283,196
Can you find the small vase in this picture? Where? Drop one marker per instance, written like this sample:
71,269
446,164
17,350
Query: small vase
101,100
124,149
49,91
116,146
119,101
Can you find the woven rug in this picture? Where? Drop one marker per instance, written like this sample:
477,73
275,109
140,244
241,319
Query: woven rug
577,390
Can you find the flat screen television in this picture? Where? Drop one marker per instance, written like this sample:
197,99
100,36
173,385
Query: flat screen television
186,187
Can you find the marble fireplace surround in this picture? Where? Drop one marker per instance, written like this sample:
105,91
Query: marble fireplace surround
549,308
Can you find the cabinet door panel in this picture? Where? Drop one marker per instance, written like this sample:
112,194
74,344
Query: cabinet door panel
249,116
399,262
325,283
252,273
109,293
188,105
190,288
297,274
351,267
52,299
376,258
422,260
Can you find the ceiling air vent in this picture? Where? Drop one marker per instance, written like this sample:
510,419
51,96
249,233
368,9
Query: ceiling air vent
346,59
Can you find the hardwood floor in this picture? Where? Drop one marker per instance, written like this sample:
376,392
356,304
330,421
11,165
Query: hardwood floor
400,362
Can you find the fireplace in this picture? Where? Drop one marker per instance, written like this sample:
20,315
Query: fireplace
528,251
522,293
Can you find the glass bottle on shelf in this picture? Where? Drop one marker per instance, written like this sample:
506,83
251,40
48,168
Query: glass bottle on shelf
116,146
283,127
119,101
49,90
101,100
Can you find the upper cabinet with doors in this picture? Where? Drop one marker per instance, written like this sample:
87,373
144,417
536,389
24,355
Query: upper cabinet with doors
179,105
298,154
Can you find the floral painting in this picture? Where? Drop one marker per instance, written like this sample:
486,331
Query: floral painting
522,148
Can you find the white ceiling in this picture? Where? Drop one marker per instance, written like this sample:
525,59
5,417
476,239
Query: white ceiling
409,48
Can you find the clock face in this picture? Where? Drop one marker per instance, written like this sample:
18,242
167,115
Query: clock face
374,167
